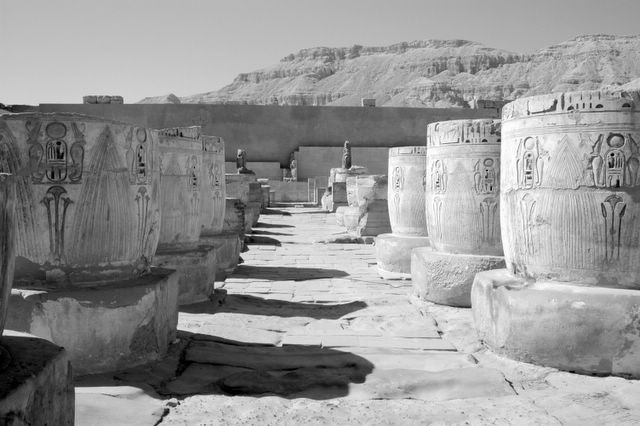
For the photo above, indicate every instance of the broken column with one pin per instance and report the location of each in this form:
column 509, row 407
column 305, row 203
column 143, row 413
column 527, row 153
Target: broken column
column 570, row 292
column 246, row 189
column 226, row 244
column 370, row 216
column 88, row 221
column 183, row 194
column 35, row 375
column 462, row 210
column 407, row 216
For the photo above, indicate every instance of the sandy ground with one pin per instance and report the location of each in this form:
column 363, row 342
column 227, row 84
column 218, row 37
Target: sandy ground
column 307, row 333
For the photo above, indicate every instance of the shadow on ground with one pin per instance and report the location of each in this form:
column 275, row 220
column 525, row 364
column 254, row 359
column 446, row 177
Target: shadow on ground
column 281, row 273
column 261, row 240
column 273, row 225
column 261, row 232
column 252, row 305
column 275, row 211
column 201, row 364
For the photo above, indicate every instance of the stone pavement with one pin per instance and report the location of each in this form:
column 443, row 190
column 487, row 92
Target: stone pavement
column 305, row 332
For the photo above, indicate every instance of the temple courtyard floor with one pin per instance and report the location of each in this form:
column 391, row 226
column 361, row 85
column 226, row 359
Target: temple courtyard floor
column 305, row 332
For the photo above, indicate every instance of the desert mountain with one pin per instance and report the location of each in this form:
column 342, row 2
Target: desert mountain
column 433, row 73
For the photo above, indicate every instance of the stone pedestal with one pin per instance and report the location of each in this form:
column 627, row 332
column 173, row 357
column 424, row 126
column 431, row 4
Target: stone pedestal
column 571, row 327
column 103, row 328
column 36, row 386
column 446, row 278
column 462, row 210
column 393, row 254
column 227, row 248
column 338, row 196
column 196, row 268
column 370, row 214
column 245, row 188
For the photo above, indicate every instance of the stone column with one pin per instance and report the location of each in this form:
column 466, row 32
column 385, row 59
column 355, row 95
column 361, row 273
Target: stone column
column 462, row 210
column 370, row 216
column 407, row 216
column 35, row 375
column 88, row 221
column 245, row 188
column 186, row 194
column 226, row 245
column 570, row 206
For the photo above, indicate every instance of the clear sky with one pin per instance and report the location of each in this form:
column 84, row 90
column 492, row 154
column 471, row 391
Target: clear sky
column 59, row 50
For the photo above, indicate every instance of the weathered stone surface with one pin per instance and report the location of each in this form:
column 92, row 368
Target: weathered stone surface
column 7, row 243
column 462, row 186
column 247, row 190
column 571, row 175
column 213, row 188
column 227, row 249
column 88, row 197
column 110, row 405
column 406, row 197
column 340, row 215
column 36, row 385
column 196, row 269
column 103, row 328
column 447, row 278
column 432, row 386
column 181, row 151
column 600, row 332
column 234, row 216
column 393, row 254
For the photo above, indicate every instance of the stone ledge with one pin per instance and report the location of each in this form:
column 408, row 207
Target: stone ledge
column 103, row 328
column 593, row 330
column 447, row 278
column 36, row 386
column 196, row 270
column 393, row 254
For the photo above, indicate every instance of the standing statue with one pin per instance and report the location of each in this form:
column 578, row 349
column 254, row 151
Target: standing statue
column 241, row 162
column 346, row 155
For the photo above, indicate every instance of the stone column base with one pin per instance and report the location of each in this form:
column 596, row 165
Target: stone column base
column 36, row 386
column 594, row 330
column 103, row 328
column 196, row 269
column 393, row 254
column 252, row 215
column 447, row 278
column 227, row 249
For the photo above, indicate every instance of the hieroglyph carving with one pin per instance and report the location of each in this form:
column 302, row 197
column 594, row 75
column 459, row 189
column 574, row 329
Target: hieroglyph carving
column 52, row 160
column 56, row 203
column 438, row 177
column 529, row 163
column 615, row 161
column 489, row 215
column 138, row 157
column 486, row 177
column 613, row 209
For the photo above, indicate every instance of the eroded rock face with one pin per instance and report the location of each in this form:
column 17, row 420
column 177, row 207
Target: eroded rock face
column 433, row 73
column 181, row 152
column 570, row 197
column 213, row 186
column 87, row 197
column 462, row 186
column 7, row 241
column 406, row 190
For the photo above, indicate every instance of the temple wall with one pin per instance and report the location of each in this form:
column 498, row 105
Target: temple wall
column 272, row 133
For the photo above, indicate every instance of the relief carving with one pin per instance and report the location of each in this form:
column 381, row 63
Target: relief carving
column 397, row 179
column 613, row 209
column 56, row 203
column 485, row 176
column 438, row 177
column 489, row 215
column 437, row 217
column 138, row 158
column 529, row 164
column 615, row 162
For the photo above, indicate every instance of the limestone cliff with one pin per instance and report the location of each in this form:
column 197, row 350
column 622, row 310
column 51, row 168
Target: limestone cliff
column 433, row 73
